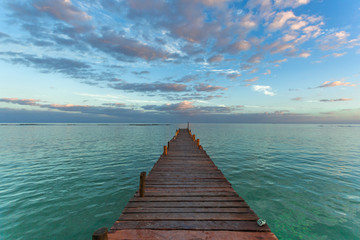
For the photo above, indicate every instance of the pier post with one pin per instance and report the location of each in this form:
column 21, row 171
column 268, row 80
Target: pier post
column 193, row 137
column 198, row 142
column 142, row 184
column 100, row 234
column 165, row 150
column 168, row 145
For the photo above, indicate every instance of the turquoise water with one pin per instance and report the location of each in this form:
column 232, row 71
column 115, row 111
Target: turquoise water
column 65, row 181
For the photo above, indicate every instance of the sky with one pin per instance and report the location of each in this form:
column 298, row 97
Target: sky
column 153, row 61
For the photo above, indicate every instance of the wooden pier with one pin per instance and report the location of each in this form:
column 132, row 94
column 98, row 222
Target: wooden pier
column 185, row 196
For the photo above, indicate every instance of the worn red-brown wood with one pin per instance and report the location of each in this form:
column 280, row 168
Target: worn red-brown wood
column 187, row 197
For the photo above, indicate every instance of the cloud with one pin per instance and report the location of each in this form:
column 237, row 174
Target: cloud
column 233, row 76
column 4, row 35
column 68, row 67
column 254, row 79
column 290, row 3
column 279, row 61
column 187, row 78
column 334, row 41
column 297, row 99
column 263, row 89
column 65, row 11
column 335, row 84
column 304, row 54
column 268, row 72
column 216, row 58
column 28, row 102
column 117, row 110
column 208, row 88
column 280, row 20
column 339, row 54
column 256, row 58
column 119, row 46
column 149, row 87
column 140, row 73
column 278, row 47
column 336, row 100
column 236, row 47
column 188, row 107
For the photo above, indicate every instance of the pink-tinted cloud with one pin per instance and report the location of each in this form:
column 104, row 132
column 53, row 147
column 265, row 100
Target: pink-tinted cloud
column 268, row 72
column 28, row 102
column 65, row 11
column 336, row 83
column 256, row 58
column 279, row 61
column 339, row 54
column 149, row 87
column 120, row 46
column 208, row 88
column 290, row 3
column 297, row 99
column 254, row 79
column 280, row 20
column 216, row 58
column 304, row 54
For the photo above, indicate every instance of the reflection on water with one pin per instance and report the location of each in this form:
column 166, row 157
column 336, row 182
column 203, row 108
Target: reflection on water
column 65, row 181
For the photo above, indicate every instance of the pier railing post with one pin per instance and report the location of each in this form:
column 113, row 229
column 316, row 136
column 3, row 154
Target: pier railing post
column 193, row 137
column 198, row 142
column 165, row 150
column 100, row 234
column 142, row 184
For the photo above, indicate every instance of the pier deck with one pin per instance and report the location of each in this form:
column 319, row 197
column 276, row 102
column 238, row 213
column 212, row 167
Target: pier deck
column 187, row 197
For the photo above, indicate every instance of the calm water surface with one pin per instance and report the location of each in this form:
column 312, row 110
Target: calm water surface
column 65, row 181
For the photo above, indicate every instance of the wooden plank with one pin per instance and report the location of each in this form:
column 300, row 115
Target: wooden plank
column 188, row 204
column 148, row 234
column 187, row 199
column 188, row 216
column 192, row 225
column 192, row 189
column 189, row 194
column 186, row 210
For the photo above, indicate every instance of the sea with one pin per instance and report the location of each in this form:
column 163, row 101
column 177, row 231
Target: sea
column 64, row 181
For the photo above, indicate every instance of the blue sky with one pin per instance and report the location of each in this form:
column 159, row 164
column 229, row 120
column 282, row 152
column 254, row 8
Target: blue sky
column 285, row 61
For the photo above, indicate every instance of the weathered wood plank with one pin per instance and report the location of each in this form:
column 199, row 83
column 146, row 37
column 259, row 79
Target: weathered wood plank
column 192, row 225
column 147, row 234
column 188, row 216
column 186, row 210
column 188, row 204
column 187, row 199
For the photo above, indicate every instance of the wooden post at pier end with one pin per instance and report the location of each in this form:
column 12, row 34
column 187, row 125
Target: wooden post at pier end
column 100, row 234
column 165, row 150
column 142, row 184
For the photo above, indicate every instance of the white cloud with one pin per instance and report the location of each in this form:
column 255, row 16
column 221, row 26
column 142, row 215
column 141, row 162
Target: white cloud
column 298, row 25
column 339, row 54
column 263, row 89
column 280, row 20
column 290, row 3
column 268, row 72
column 305, row 54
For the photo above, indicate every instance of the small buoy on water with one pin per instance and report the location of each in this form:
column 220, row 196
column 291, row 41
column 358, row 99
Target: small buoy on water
column 261, row 222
